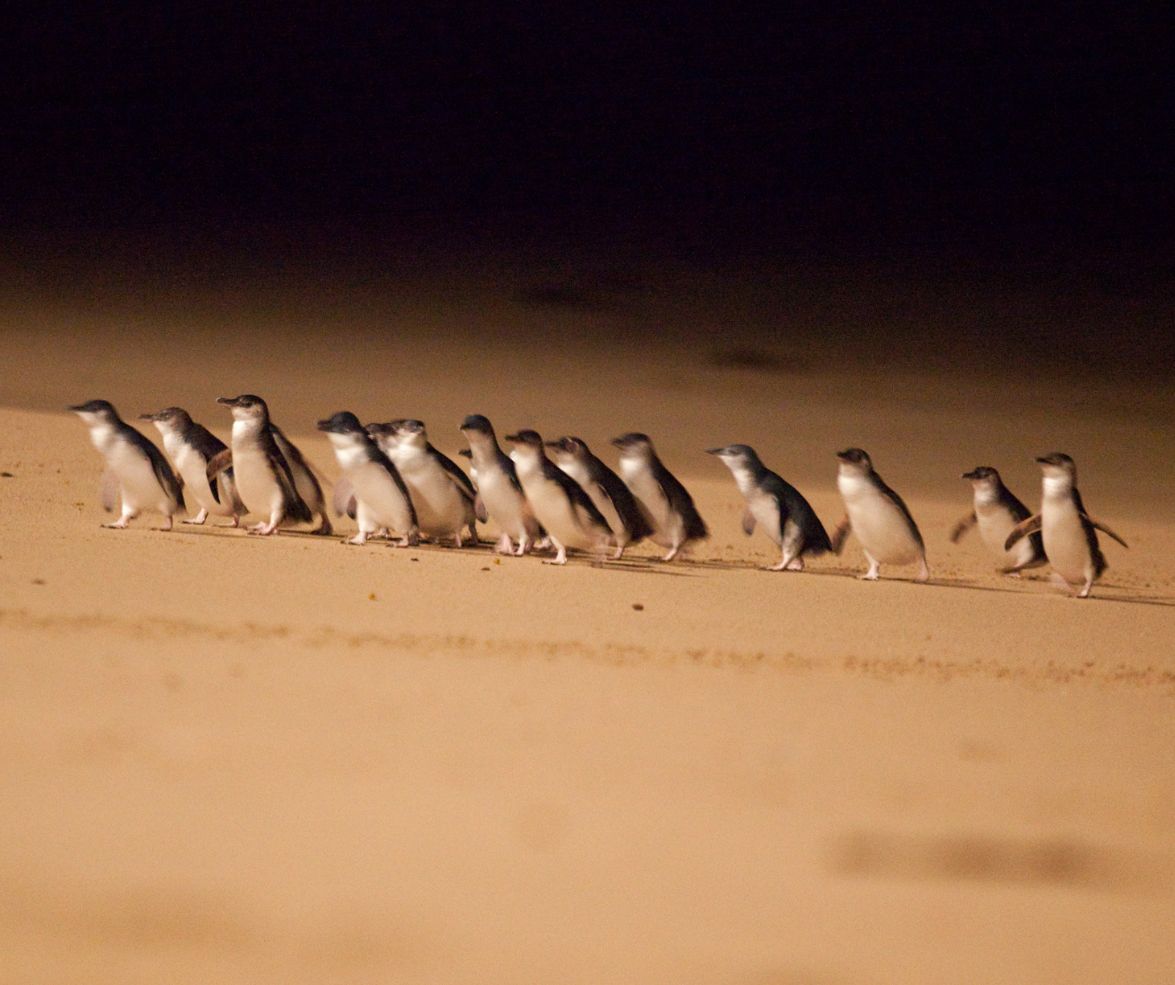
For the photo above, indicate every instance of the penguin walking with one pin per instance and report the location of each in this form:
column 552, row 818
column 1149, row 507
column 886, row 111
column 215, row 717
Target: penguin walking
column 445, row 500
column 136, row 472
column 606, row 489
column 381, row 497
column 996, row 512
column 191, row 447
column 668, row 509
column 785, row 516
column 498, row 488
column 560, row 505
column 877, row 515
column 263, row 477
column 1068, row 532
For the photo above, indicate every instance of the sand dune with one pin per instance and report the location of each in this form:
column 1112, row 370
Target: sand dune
column 240, row 760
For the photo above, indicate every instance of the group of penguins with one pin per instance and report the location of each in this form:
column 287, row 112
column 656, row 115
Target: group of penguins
column 555, row 495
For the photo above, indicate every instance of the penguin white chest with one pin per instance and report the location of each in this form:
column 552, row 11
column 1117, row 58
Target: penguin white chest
column 880, row 526
column 648, row 492
column 440, row 507
column 501, row 499
column 995, row 524
column 556, row 512
column 193, row 470
column 1064, row 539
column 765, row 510
column 136, row 477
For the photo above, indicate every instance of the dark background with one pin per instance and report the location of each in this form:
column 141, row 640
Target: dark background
column 1017, row 143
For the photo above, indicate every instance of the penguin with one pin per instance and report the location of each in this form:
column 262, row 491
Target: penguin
column 560, row 505
column 136, row 471
column 382, row 500
column 498, row 488
column 263, row 477
column 786, row 517
column 606, row 489
column 191, row 447
column 445, row 500
column 996, row 512
column 1068, row 532
column 668, row 508
column 877, row 515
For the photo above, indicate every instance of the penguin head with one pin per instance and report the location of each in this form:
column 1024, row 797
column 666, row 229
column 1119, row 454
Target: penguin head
column 735, row 456
column 411, row 433
column 854, row 461
column 344, row 422
column 983, row 477
column 634, row 445
column 95, row 412
column 246, row 407
column 168, row 419
column 1059, row 468
column 476, row 424
column 383, row 434
column 568, row 449
column 527, row 444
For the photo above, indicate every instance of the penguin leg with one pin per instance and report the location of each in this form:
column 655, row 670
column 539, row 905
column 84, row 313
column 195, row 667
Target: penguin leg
column 128, row 514
column 358, row 540
column 198, row 519
column 324, row 528
column 504, row 545
column 673, row 552
column 170, row 522
column 524, row 543
column 923, row 575
column 1087, row 587
column 270, row 528
column 560, row 557
column 619, row 552
column 236, row 522
column 874, row 571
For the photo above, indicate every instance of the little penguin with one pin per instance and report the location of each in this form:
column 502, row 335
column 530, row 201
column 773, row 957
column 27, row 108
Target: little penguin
column 1068, row 532
column 996, row 512
column 498, row 488
column 877, row 515
column 191, row 447
column 136, row 471
column 382, row 500
column 786, row 517
column 560, row 505
column 667, row 507
column 263, row 477
column 444, row 497
column 607, row 490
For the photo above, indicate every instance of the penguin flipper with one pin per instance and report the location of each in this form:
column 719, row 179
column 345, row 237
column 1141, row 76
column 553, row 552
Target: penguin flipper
column 749, row 522
column 963, row 526
column 1022, row 529
column 108, row 488
column 479, row 509
column 1098, row 525
column 343, row 498
column 228, row 484
column 218, row 463
column 840, row 535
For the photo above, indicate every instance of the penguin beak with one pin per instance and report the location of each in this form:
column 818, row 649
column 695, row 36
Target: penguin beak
column 512, row 438
column 148, row 417
column 715, row 451
column 227, row 401
column 323, row 425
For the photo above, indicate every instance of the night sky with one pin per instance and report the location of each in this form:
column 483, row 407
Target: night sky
column 822, row 130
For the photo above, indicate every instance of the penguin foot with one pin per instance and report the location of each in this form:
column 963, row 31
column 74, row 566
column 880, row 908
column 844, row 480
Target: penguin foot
column 117, row 525
column 504, row 545
column 358, row 540
column 198, row 519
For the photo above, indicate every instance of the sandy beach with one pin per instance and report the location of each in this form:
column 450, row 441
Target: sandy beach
column 232, row 759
